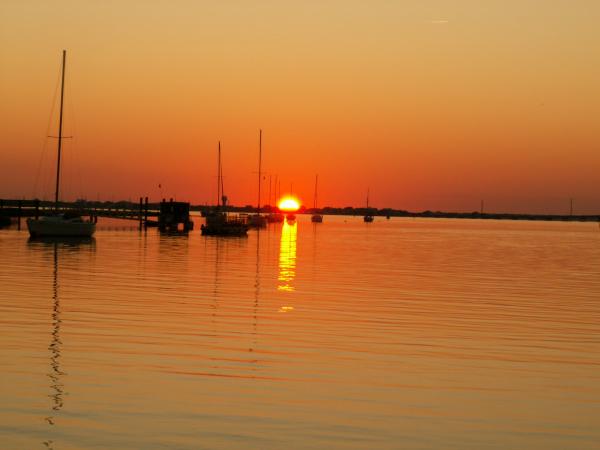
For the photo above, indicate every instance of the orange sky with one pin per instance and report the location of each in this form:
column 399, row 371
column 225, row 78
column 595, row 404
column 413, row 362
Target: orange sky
column 431, row 104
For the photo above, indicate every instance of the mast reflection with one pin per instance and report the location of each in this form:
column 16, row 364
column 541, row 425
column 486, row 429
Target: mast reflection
column 256, row 298
column 287, row 257
column 56, row 373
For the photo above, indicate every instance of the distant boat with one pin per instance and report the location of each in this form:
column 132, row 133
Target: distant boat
column 368, row 217
column 316, row 218
column 257, row 220
column 71, row 223
column 290, row 217
column 275, row 218
column 218, row 223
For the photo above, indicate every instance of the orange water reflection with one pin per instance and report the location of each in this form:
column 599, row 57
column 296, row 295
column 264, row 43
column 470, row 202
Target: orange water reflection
column 287, row 257
column 484, row 331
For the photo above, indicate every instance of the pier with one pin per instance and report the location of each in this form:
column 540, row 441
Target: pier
column 145, row 213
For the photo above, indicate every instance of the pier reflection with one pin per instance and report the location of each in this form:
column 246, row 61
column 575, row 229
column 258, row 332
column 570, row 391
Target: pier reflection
column 287, row 257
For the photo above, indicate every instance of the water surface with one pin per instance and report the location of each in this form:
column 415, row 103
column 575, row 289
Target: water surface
column 407, row 334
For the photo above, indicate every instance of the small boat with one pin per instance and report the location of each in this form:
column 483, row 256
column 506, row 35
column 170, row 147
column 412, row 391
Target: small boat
column 258, row 220
column 275, row 218
column 218, row 222
column 316, row 218
column 290, row 217
column 70, row 223
column 368, row 218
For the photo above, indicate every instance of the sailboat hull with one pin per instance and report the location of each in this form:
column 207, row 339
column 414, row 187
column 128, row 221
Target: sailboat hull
column 59, row 226
column 257, row 221
column 219, row 224
column 275, row 218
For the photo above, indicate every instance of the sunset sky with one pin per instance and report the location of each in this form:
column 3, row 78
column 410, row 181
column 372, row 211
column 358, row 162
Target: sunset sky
column 430, row 104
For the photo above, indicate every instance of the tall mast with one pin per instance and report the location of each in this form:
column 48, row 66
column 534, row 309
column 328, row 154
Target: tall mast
column 60, row 123
column 219, row 177
column 367, row 199
column 270, row 180
column 315, row 197
column 223, row 197
column 259, row 165
column 279, row 189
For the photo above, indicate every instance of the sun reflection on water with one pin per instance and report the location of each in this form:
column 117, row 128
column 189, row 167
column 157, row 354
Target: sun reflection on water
column 287, row 257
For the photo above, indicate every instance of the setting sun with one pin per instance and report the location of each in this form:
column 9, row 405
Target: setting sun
column 289, row 204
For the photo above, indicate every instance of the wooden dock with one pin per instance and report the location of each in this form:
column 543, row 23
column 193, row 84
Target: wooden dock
column 145, row 213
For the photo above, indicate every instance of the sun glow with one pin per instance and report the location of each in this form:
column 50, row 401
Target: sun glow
column 289, row 204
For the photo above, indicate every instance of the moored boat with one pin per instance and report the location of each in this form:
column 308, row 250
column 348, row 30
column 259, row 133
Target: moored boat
column 368, row 218
column 258, row 220
column 70, row 223
column 60, row 225
column 275, row 218
column 218, row 222
column 316, row 218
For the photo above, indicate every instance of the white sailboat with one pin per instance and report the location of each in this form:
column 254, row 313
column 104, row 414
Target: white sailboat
column 68, row 224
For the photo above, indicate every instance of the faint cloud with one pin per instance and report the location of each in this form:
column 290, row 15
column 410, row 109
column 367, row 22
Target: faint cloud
column 438, row 21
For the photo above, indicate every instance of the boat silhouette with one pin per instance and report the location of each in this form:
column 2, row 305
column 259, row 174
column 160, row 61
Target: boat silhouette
column 70, row 223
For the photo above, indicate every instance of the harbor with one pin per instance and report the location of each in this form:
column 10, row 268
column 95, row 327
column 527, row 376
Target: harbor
column 12, row 212
column 266, row 225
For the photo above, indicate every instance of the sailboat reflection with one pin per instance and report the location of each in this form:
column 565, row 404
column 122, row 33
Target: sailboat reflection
column 256, row 297
column 56, row 374
column 287, row 256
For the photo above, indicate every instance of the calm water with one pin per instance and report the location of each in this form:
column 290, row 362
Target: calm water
column 401, row 334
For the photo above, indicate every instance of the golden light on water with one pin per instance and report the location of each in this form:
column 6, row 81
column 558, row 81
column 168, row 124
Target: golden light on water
column 287, row 257
column 289, row 204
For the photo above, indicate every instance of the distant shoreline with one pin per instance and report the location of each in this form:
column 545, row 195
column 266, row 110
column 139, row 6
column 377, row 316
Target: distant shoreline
column 8, row 207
